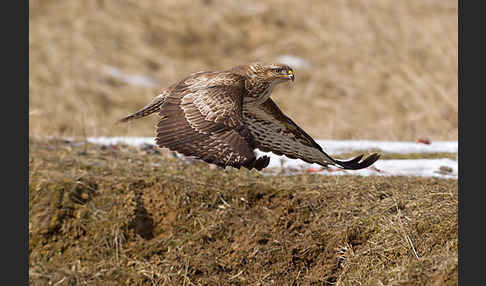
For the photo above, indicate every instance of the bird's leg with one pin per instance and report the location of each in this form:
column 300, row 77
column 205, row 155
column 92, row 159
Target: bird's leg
column 258, row 164
column 261, row 163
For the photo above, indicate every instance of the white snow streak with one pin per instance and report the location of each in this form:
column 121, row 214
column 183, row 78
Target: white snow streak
column 442, row 167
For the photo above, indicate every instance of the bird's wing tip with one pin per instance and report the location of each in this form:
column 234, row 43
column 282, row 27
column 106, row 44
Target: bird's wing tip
column 355, row 164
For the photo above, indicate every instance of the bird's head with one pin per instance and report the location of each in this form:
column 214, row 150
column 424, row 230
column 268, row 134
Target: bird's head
column 261, row 78
column 272, row 73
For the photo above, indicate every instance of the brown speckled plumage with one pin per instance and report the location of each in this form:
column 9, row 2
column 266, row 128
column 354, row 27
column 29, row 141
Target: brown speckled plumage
column 222, row 116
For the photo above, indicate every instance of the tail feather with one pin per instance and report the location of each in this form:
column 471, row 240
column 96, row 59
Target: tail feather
column 150, row 108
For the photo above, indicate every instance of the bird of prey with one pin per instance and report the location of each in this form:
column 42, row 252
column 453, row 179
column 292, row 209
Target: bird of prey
column 221, row 117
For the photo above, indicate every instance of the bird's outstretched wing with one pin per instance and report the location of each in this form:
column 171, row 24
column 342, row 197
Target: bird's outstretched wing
column 202, row 117
column 274, row 132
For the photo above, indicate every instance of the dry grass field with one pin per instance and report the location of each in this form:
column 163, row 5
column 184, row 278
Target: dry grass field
column 119, row 215
column 379, row 69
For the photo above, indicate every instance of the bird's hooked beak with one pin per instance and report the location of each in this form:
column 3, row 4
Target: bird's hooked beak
column 291, row 75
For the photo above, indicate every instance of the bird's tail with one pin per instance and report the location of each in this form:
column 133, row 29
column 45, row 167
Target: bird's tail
column 150, row 108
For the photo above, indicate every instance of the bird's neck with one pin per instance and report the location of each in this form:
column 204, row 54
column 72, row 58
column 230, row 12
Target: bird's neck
column 258, row 91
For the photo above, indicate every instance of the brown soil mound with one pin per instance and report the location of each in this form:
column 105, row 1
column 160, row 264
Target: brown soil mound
column 118, row 215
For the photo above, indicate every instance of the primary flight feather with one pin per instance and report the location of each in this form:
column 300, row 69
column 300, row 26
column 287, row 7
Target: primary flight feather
column 221, row 117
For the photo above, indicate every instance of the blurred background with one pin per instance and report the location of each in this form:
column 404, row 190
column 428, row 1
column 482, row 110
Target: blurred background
column 381, row 70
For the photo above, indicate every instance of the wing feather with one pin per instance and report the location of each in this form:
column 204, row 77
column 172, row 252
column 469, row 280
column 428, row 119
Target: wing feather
column 202, row 117
column 275, row 132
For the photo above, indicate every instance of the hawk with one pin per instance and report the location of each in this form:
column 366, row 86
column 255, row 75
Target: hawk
column 221, row 117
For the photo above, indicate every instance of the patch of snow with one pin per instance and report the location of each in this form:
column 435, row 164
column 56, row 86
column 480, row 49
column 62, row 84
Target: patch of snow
column 441, row 167
column 329, row 146
column 132, row 79
column 294, row 62
column 132, row 141
column 343, row 146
